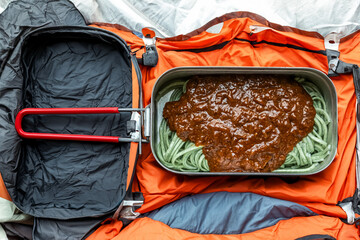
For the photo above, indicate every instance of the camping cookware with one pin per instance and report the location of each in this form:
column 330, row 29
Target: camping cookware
column 149, row 118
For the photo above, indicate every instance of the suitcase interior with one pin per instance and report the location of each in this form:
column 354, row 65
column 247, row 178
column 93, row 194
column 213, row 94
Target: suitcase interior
column 74, row 67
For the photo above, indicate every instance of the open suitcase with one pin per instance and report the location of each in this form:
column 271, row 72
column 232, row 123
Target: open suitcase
column 72, row 67
column 76, row 67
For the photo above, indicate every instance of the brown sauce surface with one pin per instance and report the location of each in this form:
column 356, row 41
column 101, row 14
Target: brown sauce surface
column 245, row 122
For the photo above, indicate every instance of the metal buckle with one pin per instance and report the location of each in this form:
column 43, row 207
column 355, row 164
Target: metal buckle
column 332, row 41
column 126, row 210
column 150, row 56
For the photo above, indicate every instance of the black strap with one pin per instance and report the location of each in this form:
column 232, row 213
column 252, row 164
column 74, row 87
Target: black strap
column 356, row 76
column 336, row 67
column 355, row 200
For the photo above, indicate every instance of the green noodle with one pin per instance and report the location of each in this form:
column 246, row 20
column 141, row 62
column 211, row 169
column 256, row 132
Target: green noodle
column 176, row 154
column 183, row 156
column 314, row 145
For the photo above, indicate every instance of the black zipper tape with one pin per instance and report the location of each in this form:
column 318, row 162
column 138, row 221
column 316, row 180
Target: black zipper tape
column 223, row 44
column 206, row 49
column 322, row 52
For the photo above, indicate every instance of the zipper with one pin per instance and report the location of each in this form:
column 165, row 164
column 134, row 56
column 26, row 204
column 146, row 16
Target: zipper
column 253, row 30
column 322, row 52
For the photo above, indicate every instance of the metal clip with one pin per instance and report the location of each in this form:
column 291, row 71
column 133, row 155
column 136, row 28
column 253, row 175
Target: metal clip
column 147, row 122
column 126, row 210
column 332, row 41
column 149, row 37
column 150, row 56
column 348, row 209
column 136, row 133
column 333, row 63
column 357, row 146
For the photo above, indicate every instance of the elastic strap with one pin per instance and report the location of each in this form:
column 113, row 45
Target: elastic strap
column 336, row 67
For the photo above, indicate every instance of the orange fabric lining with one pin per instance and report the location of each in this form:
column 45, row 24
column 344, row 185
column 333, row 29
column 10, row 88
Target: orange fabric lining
column 146, row 228
column 320, row 192
column 132, row 158
column 108, row 230
column 3, row 191
column 133, row 145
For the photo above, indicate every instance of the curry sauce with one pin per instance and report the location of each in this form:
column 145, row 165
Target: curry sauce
column 244, row 122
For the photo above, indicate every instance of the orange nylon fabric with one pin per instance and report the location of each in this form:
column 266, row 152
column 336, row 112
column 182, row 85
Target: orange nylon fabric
column 3, row 191
column 320, row 192
column 146, row 228
column 108, row 230
column 133, row 145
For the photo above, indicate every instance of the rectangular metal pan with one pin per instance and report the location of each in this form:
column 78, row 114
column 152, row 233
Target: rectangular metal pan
column 161, row 93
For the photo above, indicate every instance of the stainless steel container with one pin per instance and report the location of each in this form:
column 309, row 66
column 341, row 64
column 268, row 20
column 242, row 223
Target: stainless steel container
column 162, row 91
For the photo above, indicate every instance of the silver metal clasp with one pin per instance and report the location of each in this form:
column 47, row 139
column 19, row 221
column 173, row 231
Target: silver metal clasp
column 147, row 122
column 134, row 126
column 127, row 209
column 332, row 41
column 150, row 56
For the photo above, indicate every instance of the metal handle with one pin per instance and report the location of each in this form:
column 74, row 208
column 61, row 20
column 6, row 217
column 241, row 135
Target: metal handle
column 58, row 136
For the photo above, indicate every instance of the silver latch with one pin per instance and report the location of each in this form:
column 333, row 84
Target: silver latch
column 332, row 41
column 348, row 209
column 150, row 56
column 126, row 209
column 147, row 122
column 134, row 126
column 135, row 133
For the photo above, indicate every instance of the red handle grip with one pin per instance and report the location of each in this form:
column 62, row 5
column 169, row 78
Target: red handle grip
column 58, row 136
